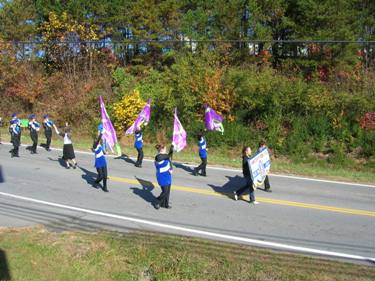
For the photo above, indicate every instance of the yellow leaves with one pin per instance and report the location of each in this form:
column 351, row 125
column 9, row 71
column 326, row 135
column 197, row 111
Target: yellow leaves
column 126, row 110
column 57, row 27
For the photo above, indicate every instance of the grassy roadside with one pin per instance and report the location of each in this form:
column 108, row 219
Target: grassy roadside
column 36, row 254
column 231, row 158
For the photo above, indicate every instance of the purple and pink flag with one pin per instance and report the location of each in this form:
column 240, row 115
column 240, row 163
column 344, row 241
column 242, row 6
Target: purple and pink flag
column 109, row 133
column 179, row 134
column 142, row 118
column 213, row 121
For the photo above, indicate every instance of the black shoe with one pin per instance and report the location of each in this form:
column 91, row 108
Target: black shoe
column 169, row 207
column 203, row 175
column 105, row 189
column 67, row 167
column 268, row 190
column 33, row 152
column 48, row 149
column 75, row 166
column 195, row 172
column 157, row 206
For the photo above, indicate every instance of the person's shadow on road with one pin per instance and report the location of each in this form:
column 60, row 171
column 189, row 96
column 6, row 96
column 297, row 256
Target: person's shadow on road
column 60, row 160
column 146, row 191
column 227, row 189
column 89, row 177
column 126, row 158
column 183, row 167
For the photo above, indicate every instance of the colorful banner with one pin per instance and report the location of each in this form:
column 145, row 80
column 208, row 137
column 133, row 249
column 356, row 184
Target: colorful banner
column 142, row 118
column 213, row 121
column 179, row 134
column 260, row 165
column 109, row 133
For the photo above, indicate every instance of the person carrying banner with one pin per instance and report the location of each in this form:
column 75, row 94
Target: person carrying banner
column 267, row 186
column 164, row 175
column 48, row 125
column 138, row 144
column 246, row 155
column 100, row 163
column 68, row 150
column 202, row 143
column 34, row 128
column 15, row 134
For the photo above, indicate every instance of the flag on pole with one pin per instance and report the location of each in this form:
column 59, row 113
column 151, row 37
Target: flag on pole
column 109, row 133
column 142, row 118
column 213, row 121
column 179, row 134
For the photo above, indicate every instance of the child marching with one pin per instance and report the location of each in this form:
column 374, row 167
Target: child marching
column 34, row 128
column 202, row 143
column 138, row 145
column 48, row 125
column 246, row 155
column 68, row 150
column 164, row 175
column 100, row 163
column 15, row 133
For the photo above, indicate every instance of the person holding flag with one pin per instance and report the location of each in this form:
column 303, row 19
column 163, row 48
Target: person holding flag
column 142, row 120
column 163, row 175
column 107, row 130
column 100, row 163
column 34, row 128
column 138, row 144
column 202, row 143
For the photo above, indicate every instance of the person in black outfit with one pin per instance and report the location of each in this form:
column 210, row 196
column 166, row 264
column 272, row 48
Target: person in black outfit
column 34, row 128
column 267, row 186
column 15, row 133
column 246, row 155
column 48, row 125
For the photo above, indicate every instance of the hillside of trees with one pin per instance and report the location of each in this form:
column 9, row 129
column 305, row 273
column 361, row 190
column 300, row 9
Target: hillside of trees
column 298, row 73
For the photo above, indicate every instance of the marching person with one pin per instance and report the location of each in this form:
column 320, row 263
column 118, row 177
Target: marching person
column 164, row 175
column 246, row 155
column 202, row 143
column 15, row 133
column 68, row 150
column 48, row 125
column 138, row 144
column 100, row 163
column 34, row 128
column 267, row 186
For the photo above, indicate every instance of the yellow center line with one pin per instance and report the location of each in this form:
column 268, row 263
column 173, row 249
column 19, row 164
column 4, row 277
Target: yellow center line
column 260, row 199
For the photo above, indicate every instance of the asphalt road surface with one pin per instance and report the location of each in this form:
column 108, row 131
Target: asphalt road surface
column 335, row 220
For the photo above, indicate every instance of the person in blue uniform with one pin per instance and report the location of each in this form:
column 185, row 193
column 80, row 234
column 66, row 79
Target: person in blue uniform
column 48, row 125
column 202, row 143
column 249, row 185
column 100, row 163
column 138, row 144
column 267, row 185
column 163, row 175
column 34, row 128
column 15, row 134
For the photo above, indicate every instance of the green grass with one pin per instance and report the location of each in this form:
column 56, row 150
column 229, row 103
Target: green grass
column 36, row 254
column 312, row 167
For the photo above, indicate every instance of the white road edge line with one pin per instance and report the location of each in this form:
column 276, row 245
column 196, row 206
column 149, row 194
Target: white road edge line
column 231, row 170
column 195, row 231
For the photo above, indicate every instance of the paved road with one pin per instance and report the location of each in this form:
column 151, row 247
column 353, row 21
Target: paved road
column 315, row 217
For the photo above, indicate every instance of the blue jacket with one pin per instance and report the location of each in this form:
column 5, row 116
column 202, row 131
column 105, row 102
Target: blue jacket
column 202, row 148
column 163, row 167
column 100, row 161
column 138, row 142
